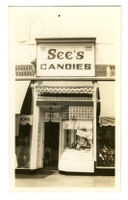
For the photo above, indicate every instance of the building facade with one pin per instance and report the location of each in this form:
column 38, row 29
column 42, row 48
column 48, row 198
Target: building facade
column 65, row 88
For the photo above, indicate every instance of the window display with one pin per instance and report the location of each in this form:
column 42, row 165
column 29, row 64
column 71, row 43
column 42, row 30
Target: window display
column 23, row 144
column 78, row 148
column 106, row 146
column 73, row 139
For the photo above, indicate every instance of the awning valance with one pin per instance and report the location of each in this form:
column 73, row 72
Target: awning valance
column 107, row 121
column 20, row 92
column 107, row 101
column 63, row 90
column 78, row 124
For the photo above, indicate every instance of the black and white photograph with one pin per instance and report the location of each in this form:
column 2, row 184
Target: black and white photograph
column 65, row 79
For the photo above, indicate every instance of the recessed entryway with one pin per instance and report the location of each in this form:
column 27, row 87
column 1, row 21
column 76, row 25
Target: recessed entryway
column 51, row 145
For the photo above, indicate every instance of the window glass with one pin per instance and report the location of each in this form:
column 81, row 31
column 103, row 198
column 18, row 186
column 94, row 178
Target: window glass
column 23, row 146
column 106, row 146
column 73, row 139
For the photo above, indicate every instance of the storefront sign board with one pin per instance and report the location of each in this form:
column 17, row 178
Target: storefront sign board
column 65, row 59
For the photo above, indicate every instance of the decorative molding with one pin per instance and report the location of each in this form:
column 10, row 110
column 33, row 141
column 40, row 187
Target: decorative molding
column 65, row 40
column 28, row 72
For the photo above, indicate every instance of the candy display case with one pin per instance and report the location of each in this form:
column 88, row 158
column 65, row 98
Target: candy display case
column 78, row 146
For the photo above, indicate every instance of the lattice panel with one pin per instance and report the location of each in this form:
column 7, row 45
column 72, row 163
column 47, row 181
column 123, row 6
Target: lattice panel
column 104, row 70
column 77, row 112
column 24, row 70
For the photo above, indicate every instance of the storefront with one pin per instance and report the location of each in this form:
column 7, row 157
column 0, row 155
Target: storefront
column 65, row 116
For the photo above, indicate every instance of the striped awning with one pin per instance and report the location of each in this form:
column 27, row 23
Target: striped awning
column 64, row 90
column 107, row 121
column 21, row 88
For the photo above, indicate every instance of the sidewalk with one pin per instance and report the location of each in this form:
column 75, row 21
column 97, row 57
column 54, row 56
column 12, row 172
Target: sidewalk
column 53, row 179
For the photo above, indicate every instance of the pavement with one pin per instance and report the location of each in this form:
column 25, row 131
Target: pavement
column 53, row 179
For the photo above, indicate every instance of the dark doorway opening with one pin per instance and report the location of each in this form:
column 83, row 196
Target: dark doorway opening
column 51, row 145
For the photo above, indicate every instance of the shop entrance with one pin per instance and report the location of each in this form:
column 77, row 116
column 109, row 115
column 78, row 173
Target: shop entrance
column 51, row 145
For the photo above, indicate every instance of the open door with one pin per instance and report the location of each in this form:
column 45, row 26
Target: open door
column 51, row 145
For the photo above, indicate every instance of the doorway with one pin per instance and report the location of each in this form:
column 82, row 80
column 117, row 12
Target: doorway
column 51, row 145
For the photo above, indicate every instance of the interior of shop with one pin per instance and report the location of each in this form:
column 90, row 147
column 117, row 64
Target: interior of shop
column 51, row 145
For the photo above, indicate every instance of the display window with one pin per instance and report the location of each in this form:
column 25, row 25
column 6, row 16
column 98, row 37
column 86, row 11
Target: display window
column 23, row 146
column 78, row 140
column 23, row 130
column 73, row 139
column 106, row 146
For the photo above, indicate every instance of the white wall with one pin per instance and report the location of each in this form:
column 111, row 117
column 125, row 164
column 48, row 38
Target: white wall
column 100, row 22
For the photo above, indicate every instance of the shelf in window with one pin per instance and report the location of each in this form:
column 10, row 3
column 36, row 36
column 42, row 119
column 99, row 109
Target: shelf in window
column 105, row 167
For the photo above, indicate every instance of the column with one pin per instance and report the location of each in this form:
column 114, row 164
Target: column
column 34, row 142
column 40, row 150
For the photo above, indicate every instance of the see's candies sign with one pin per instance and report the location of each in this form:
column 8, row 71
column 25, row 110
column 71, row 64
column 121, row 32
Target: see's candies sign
column 65, row 59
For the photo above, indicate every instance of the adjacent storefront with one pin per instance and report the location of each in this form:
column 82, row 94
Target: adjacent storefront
column 65, row 117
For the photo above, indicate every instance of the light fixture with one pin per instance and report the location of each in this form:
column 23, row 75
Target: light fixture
column 50, row 117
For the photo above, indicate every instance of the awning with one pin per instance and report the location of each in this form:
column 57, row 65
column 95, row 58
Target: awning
column 20, row 92
column 107, row 121
column 107, row 101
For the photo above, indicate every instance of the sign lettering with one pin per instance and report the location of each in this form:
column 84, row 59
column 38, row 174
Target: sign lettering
column 65, row 59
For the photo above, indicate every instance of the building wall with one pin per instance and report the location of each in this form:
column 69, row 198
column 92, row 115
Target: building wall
column 31, row 23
